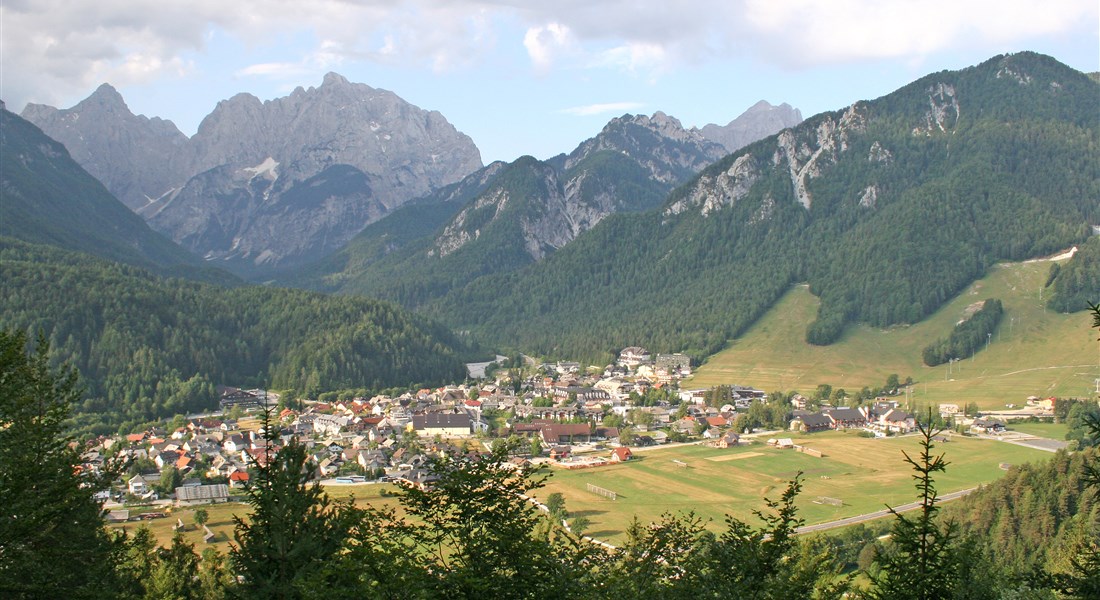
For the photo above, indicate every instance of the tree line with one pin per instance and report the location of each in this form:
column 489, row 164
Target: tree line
column 968, row 337
column 148, row 348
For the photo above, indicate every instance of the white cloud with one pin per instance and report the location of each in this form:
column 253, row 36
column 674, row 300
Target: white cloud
column 544, row 42
column 808, row 32
column 599, row 109
column 55, row 48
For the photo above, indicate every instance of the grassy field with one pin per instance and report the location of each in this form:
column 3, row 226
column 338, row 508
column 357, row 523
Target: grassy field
column 1055, row 431
column 1034, row 352
column 864, row 473
column 220, row 516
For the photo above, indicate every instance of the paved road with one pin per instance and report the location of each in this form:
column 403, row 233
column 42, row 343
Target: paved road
column 877, row 514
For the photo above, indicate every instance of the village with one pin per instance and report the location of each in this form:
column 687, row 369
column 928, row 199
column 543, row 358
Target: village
column 561, row 417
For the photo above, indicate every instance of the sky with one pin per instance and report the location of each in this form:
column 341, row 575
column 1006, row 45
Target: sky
column 521, row 76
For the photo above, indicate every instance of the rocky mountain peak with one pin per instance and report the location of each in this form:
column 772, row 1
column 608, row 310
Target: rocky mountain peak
column 105, row 96
column 333, row 79
column 130, row 154
column 759, row 121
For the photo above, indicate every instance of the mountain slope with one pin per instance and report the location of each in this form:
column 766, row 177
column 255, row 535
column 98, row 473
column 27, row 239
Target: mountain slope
column 49, row 199
column 1033, row 351
column 133, row 156
column 887, row 209
column 521, row 212
column 149, row 347
column 264, row 186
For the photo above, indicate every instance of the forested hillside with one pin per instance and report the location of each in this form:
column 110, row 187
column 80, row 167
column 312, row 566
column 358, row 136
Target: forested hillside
column 1076, row 283
column 49, row 199
column 508, row 216
column 149, row 347
column 1035, row 518
column 887, row 208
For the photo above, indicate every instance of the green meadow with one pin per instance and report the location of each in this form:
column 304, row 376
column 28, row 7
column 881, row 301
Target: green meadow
column 864, row 473
column 220, row 516
column 1034, row 351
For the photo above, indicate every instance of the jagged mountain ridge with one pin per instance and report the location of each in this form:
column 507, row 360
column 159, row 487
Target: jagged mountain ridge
column 524, row 212
column 203, row 194
column 759, row 121
column 133, row 156
column 47, row 198
column 887, row 208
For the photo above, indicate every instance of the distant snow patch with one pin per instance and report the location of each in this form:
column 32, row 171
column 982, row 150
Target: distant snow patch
column 264, row 169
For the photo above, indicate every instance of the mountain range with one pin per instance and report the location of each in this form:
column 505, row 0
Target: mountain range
column 648, row 233
column 263, row 185
column 887, row 208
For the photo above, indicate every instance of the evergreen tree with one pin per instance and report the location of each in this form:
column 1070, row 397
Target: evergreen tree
column 293, row 530
column 52, row 540
column 920, row 563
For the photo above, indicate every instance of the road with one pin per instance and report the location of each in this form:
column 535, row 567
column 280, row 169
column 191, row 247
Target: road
column 878, row 514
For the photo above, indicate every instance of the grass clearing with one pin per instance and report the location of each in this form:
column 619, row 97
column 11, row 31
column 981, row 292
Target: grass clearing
column 220, row 516
column 865, row 473
column 1054, row 431
column 1034, row 351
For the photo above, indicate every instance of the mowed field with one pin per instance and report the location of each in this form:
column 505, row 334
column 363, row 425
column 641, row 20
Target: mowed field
column 220, row 516
column 1034, row 352
column 864, row 473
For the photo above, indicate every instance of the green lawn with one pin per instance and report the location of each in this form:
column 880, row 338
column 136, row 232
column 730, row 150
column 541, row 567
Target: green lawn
column 1054, row 431
column 1034, row 352
column 221, row 516
column 864, row 473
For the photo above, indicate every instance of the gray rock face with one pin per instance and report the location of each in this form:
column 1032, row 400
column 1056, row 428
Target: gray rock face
column 405, row 151
column 629, row 166
column 756, row 123
column 131, row 155
column 257, row 217
column 263, row 185
column 660, row 144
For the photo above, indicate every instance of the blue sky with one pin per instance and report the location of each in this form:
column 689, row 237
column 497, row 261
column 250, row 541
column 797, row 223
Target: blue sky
column 521, row 77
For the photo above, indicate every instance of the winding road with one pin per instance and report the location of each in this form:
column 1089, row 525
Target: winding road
column 878, row 514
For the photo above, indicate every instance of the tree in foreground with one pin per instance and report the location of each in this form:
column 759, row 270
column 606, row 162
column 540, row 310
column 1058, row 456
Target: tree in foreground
column 1083, row 577
column 481, row 535
column 293, row 530
column 678, row 558
column 919, row 563
column 52, row 540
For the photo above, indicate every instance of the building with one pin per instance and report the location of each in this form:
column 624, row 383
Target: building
column 191, row 495
column 231, row 397
column 445, row 424
column 621, row 454
column 137, row 485
column 634, row 356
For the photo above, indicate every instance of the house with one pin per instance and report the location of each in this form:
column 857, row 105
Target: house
column 202, row 494
column 566, row 433
column 987, row 425
column 621, row 454
column 846, row 418
column 137, row 485
column 560, row 452
column 633, row 356
column 949, row 410
column 810, row 422
column 444, row 424
column 674, row 363
column 235, row 443
column 238, row 479
column 730, row 440
column 897, row 421
column 231, row 397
